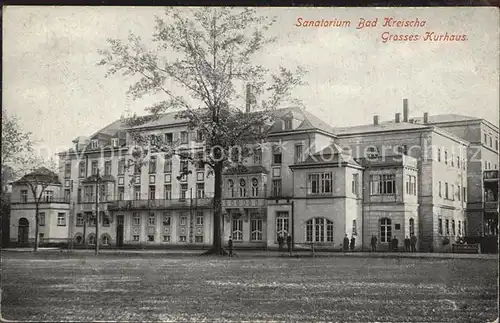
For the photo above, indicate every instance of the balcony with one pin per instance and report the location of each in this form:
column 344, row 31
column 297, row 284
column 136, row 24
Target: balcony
column 129, row 205
column 59, row 200
column 490, row 175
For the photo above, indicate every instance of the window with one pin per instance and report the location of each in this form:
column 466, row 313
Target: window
column 354, row 184
column 402, row 150
column 81, row 169
column 183, row 220
column 92, row 220
column 298, row 156
column 496, row 144
column 184, row 188
column 105, row 240
column 412, row 226
column 183, row 165
column 24, row 196
column 152, row 192
column 61, row 219
column 287, row 124
column 459, row 227
column 168, row 191
column 439, row 189
column 121, row 167
column 257, row 156
column 445, row 157
column 67, row 170
column 230, row 188
column 121, row 193
column 276, row 155
column 79, row 195
column 200, row 190
column 446, row 195
column 94, row 143
column 47, row 196
column 137, row 168
column 243, row 188
column 319, row 230
column 137, row 192
column 491, row 143
column 199, row 219
column 256, row 230
column 166, row 238
column 184, row 137
column 447, row 227
column 167, row 167
column 152, row 165
column 200, row 161
column 106, row 221
column 255, row 187
column 372, row 152
column 439, row 155
column 411, row 185
column 276, row 188
column 451, row 159
column 94, row 167
column 166, row 219
column 182, row 239
column 237, row 229
column 114, row 142
column 199, row 135
column 385, row 230
column 136, row 218
column 80, row 220
column 198, row 239
column 383, row 184
column 103, row 191
column 91, row 239
column 41, row 219
column 320, row 183
column 440, row 226
column 464, row 228
column 41, row 235
column 169, row 138
column 453, row 230
column 151, row 219
column 452, row 195
column 281, row 224
column 458, row 192
column 135, row 237
column 458, row 161
column 485, row 139
column 107, row 167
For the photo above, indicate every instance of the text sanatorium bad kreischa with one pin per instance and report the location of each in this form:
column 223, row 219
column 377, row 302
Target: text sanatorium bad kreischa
column 394, row 35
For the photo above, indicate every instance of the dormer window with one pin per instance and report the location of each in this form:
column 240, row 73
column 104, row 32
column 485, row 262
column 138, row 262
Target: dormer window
column 287, row 124
column 94, row 143
column 114, row 142
column 76, row 146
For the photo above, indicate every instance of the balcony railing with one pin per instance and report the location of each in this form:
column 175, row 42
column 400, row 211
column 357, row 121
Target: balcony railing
column 181, row 203
column 60, row 200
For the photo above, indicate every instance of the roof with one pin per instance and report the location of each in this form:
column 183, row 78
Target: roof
column 40, row 175
column 381, row 127
column 111, row 129
column 256, row 169
column 446, row 118
column 309, row 120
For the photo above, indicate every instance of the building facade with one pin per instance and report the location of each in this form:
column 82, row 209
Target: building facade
column 309, row 180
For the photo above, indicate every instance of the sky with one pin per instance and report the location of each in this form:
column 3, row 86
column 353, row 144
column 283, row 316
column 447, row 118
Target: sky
column 52, row 83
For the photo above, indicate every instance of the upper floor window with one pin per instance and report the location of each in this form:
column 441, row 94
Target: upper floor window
column 107, row 167
column 355, row 183
column 152, row 165
column 320, row 183
column 298, row 153
column 169, row 138
column 81, row 169
column 411, row 185
column 452, row 162
column 184, row 137
column 47, row 195
column 491, row 142
column 277, row 155
column 446, row 157
column 287, row 124
column 94, row 167
column 151, row 219
column 458, row 161
column 94, row 143
column 243, row 188
column 24, row 196
column 439, row 155
column 114, row 142
column 402, row 150
column 485, row 139
column 67, row 170
column 383, row 184
column 121, row 167
column 255, row 187
column 230, row 187
column 496, row 144
column 199, row 135
column 257, row 156
column 372, row 152
column 446, row 193
column 167, row 166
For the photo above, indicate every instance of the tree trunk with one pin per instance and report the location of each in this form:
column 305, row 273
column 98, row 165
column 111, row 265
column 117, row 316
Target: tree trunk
column 37, row 219
column 217, row 246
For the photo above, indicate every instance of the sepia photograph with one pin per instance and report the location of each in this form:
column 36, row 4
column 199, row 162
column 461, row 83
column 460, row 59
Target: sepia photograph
column 250, row 164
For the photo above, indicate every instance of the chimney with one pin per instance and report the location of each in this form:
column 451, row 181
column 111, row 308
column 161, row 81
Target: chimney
column 375, row 120
column 398, row 117
column 426, row 117
column 248, row 98
column 405, row 110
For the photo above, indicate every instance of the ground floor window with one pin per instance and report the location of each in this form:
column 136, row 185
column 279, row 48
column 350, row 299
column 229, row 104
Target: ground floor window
column 412, row 226
column 105, row 240
column 385, row 230
column 256, row 230
column 182, row 238
column 135, row 237
column 91, row 239
column 151, row 238
column 237, row 229
column 281, row 224
column 319, row 230
column 198, row 239
column 78, row 239
column 166, row 238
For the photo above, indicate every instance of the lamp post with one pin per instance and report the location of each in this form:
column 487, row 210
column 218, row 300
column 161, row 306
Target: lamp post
column 97, row 180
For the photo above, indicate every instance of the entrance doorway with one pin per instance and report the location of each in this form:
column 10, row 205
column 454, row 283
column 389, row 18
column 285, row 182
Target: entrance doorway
column 23, row 231
column 119, row 230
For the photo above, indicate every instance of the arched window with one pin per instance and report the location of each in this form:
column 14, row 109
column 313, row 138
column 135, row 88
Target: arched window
column 255, row 187
column 91, row 239
column 105, row 239
column 78, row 238
column 385, row 230
column 319, row 230
column 412, row 226
column 243, row 188
column 237, row 224
column 354, row 228
column 230, row 187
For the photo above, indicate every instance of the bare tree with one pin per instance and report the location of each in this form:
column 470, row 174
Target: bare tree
column 208, row 53
column 38, row 175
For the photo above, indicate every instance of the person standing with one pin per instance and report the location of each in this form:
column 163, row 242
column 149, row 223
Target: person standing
column 345, row 245
column 373, row 243
column 289, row 243
column 407, row 244
column 395, row 243
column 413, row 243
column 280, row 242
column 353, row 243
column 230, row 246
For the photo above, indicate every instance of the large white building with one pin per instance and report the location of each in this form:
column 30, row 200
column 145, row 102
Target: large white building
column 317, row 183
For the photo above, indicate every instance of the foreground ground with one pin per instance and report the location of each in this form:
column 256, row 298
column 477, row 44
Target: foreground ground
column 142, row 287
